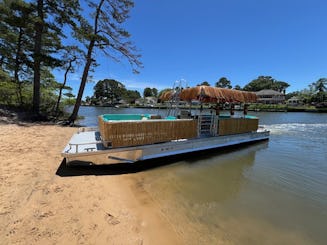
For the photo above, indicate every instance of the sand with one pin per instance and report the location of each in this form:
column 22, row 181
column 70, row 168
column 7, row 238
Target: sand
column 44, row 202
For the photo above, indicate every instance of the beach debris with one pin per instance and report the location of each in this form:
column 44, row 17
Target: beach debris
column 111, row 219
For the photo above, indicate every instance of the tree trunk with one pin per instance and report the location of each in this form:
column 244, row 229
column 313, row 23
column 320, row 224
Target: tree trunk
column 74, row 114
column 62, row 87
column 37, row 59
column 78, row 102
column 17, row 68
column 2, row 60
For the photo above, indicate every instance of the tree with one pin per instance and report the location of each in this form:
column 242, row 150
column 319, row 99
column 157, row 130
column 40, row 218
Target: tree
column 108, row 91
column 154, row 92
column 147, row 92
column 150, row 92
column 280, row 86
column 131, row 96
column 4, row 76
column 30, row 37
column 111, row 91
column 292, row 94
column 7, row 91
column 266, row 82
column 237, row 87
column 223, row 83
column 70, row 56
column 321, row 85
column 319, row 88
column 15, row 40
column 50, row 18
column 204, row 83
column 107, row 34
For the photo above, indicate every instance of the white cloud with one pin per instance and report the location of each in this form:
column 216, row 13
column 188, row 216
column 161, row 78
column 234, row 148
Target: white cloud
column 131, row 84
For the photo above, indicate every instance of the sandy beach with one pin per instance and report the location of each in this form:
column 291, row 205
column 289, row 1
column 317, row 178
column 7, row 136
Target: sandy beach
column 44, row 202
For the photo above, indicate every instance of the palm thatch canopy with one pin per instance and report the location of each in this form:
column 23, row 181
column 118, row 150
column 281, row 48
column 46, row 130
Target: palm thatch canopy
column 216, row 95
column 167, row 95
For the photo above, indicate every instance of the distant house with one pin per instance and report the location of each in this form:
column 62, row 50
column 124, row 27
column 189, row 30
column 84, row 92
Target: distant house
column 269, row 96
column 148, row 101
column 294, row 101
column 139, row 101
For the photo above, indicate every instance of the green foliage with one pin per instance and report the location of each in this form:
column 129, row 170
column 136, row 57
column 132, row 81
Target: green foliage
column 204, row 83
column 147, row 92
column 321, row 85
column 130, row 96
column 223, row 83
column 268, row 107
column 68, row 102
column 108, row 91
column 154, row 92
column 237, row 87
column 7, row 93
column 317, row 92
column 4, row 76
column 266, row 82
column 320, row 90
column 51, row 17
column 30, row 36
column 105, row 32
column 282, row 108
column 150, row 92
column 290, row 95
column 16, row 42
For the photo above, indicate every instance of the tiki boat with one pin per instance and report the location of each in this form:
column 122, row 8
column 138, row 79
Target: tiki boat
column 130, row 138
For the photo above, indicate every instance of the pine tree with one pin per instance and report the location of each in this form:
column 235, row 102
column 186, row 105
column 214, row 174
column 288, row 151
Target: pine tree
column 51, row 16
column 106, row 34
column 15, row 38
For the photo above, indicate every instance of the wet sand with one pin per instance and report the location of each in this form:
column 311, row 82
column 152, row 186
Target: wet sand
column 44, row 202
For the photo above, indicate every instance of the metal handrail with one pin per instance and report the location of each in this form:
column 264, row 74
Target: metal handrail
column 88, row 143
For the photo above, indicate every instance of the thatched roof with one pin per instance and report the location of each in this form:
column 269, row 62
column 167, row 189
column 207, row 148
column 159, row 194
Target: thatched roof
column 167, row 95
column 211, row 94
column 214, row 94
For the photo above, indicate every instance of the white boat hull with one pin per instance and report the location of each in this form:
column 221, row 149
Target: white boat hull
column 86, row 148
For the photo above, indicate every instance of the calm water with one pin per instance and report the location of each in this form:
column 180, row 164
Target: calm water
column 268, row 193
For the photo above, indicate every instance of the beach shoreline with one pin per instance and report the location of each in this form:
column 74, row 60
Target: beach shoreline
column 40, row 205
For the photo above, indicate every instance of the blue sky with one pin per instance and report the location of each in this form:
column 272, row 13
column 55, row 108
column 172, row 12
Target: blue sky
column 208, row 39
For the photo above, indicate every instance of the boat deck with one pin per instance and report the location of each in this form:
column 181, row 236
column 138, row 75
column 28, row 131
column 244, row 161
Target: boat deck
column 88, row 147
column 84, row 142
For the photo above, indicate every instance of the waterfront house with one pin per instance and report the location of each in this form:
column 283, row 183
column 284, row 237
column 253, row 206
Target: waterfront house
column 295, row 101
column 269, row 96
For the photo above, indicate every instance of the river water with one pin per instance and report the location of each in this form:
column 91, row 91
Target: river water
column 273, row 192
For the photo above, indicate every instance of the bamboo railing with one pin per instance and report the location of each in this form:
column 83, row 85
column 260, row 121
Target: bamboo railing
column 133, row 133
column 229, row 126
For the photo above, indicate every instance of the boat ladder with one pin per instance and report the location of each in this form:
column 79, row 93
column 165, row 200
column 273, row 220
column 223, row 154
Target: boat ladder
column 207, row 125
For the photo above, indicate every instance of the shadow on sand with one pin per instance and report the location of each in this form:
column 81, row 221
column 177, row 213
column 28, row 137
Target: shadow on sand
column 114, row 169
